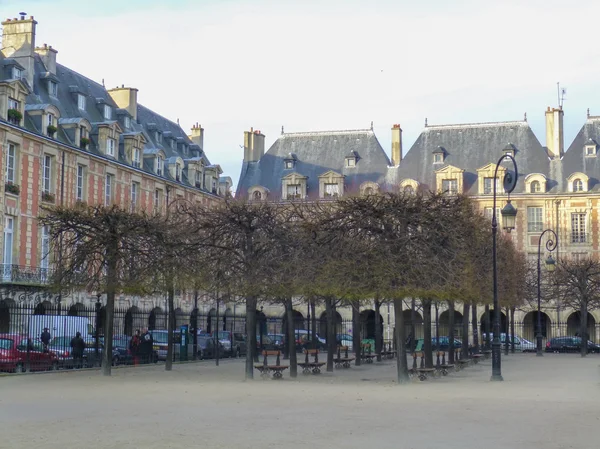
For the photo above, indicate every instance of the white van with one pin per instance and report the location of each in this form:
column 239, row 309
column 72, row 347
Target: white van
column 59, row 326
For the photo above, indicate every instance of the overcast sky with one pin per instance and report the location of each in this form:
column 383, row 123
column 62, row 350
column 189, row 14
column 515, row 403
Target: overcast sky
column 331, row 64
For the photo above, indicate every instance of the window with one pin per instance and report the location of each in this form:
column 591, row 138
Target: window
column 13, row 104
column 535, row 187
column 590, row 150
column 127, row 122
column 110, row 147
column 82, row 132
column 177, row 172
column 438, row 158
column 17, row 73
column 135, row 157
column 214, row 186
column 289, row 165
column 9, row 223
column 108, row 190
column 450, row 186
column 369, row 191
column 135, row 188
column 81, row 102
column 156, row 200
column 47, row 174
column 80, row 182
column 293, row 191
column 45, row 248
column 332, row 190
column 53, row 88
column 488, row 186
column 535, row 219
column 577, row 185
column 350, row 162
column 107, row 112
column 488, row 212
column 257, row 195
column 198, row 179
column 409, row 190
column 158, row 137
column 158, row 165
column 10, row 164
column 173, row 146
column 578, row 227
column 51, row 120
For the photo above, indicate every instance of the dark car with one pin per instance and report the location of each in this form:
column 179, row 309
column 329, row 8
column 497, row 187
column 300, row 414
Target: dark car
column 206, row 348
column 569, row 344
column 16, row 351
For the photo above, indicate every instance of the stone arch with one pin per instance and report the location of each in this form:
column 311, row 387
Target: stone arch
column 407, row 314
column 367, row 324
column 574, row 325
column 444, row 323
column 156, row 319
column 530, row 326
column 369, row 188
column 502, row 322
column 43, row 308
column 180, row 318
column 578, row 182
column 133, row 320
column 409, row 186
column 535, row 183
column 210, row 320
column 75, row 309
column 322, row 324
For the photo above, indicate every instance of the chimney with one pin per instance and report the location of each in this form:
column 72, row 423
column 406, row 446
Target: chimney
column 197, row 135
column 126, row 98
column 48, row 55
column 254, row 145
column 396, row 145
column 18, row 42
column 554, row 132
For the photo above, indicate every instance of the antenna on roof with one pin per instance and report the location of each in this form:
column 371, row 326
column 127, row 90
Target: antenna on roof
column 425, row 122
column 178, row 120
column 281, row 129
column 562, row 91
column 525, row 117
column 103, row 83
column 371, row 125
column 588, row 112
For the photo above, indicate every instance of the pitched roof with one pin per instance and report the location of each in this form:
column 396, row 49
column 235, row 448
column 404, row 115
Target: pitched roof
column 575, row 159
column 317, row 153
column 470, row 147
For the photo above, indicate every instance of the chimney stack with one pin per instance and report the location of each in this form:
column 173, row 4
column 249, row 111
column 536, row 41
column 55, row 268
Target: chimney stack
column 197, row 135
column 126, row 98
column 555, row 141
column 254, row 145
column 396, row 145
column 18, row 42
column 48, row 55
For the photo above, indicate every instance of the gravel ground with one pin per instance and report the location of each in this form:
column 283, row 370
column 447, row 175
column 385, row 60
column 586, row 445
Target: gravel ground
column 549, row 402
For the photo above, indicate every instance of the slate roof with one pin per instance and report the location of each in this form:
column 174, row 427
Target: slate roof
column 470, row 147
column 70, row 83
column 317, row 153
column 575, row 159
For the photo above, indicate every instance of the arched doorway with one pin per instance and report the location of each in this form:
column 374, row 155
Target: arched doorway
column 530, row 326
column 574, row 325
column 407, row 314
column 156, row 319
column 100, row 320
column 210, row 320
column 367, row 324
column 180, row 318
column 194, row 321
column 444, row 323
column 322, row 325
column 75, row 309
column 42, row 308
column 5, row 307
column 491, row 317
column 133, row 321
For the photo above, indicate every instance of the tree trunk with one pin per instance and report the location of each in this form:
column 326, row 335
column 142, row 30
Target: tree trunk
column 401, row 362
column 331, row 342
column 251, row 336
column 111, row 284
column 413, row 339
column 465, row 331
column 378, row 330
column 507, row 338
column 313, row 324
column 488, row 337
column 583, row 332
column 356, row 332
column 289, row 313
column 170, row 324
column 286, row 340
column 427, row 333
column 512, row 329
column 450, row 332
column 474, row 325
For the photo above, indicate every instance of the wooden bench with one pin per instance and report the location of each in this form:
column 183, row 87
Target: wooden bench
column 477, row 357
column 388, row 353
column 461, row 362
column 309, row 366
column 343, row 361
column 266, row 369
column 487, row 354
column 366, row 353
column 443, row 367
column 421, row 372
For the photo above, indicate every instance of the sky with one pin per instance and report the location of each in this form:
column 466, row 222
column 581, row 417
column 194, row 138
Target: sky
column 331, row 64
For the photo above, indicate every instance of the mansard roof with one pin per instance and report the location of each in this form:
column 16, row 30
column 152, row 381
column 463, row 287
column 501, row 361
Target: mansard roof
column 575, row 159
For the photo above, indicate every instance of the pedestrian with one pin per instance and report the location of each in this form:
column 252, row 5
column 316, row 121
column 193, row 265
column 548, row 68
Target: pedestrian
column 77, row 349
column 134, row 347
column 146, row 346
column 45, row 338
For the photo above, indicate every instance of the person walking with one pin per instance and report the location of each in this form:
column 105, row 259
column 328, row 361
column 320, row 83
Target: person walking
column 134, row 347
column 77, row 349
column 45, row 337
column 146, row 346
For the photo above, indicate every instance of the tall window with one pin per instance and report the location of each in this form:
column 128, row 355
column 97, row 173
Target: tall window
column 578, row 227
column 51, row 120
column 47, row 173
column 45, row 248
column 488, row 186
column 17, row 73
column 332, row 190
column 9, row 223
column 108, row 190
column 135, row 190
column 82, row 132
column 158, row 165
column 488, row 212
column 107, row 112
column 535, row 187
column 127, row 122
column 177, row 172
column 135, row 157
column 81, row 102
column 450, row 186
column 578, row 185
column 80, row 182
column 438, row 158
column 535, row 220
column 10, row 163
column 198, row 179
column 110, row 147
column 13, row 104
column 156, row 200
column 293, row 191
column 53, row 88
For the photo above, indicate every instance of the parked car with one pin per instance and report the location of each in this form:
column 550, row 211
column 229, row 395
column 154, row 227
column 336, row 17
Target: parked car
column 161, row 345
column 16, row 350
column 521, row 345
column 225, row 338
column 569, row 344
column 122, row 354
column 527, row 346
column 61, row 346
column 278, row 341
column 206, row 348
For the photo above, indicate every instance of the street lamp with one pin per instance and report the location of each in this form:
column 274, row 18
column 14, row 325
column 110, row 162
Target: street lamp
column 509, row 214
column 550, row 266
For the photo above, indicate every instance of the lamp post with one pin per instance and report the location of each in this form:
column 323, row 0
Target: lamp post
column 551, row 245
column 509, row 214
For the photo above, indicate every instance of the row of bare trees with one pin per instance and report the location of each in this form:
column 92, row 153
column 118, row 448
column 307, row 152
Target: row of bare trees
column 381, row 248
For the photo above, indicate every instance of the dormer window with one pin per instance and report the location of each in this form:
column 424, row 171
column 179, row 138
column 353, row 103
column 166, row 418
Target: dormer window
column 198, row 179
column 51, row 120
column 590, row 148
column 107, row 112
column 257, row 195
column 81, row 102
column 158, row 137
column 535, row 187
column 110, row 146
column 488, row 186
column 350, row 162
column 332, row 190
column 577, row 185
column 290, row 161
column 135, row 157
column 178, row 172
column 53, row 88
column 173, row 146
column 127, row 122
column 293, row 191
column 509, row 150
column 158, row 165
column 439, row 155
column 450, row 186
column 17, row 73
column 289, row 165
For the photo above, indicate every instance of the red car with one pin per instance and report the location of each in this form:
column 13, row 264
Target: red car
column 14, row 355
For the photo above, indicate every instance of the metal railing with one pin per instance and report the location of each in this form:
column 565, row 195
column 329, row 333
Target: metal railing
column 24, row 275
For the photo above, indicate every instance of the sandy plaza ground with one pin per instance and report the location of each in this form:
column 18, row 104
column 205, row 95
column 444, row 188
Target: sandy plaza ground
column 549, row 402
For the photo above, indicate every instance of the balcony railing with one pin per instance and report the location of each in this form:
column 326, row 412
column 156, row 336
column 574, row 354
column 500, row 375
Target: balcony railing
column 19, row 274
